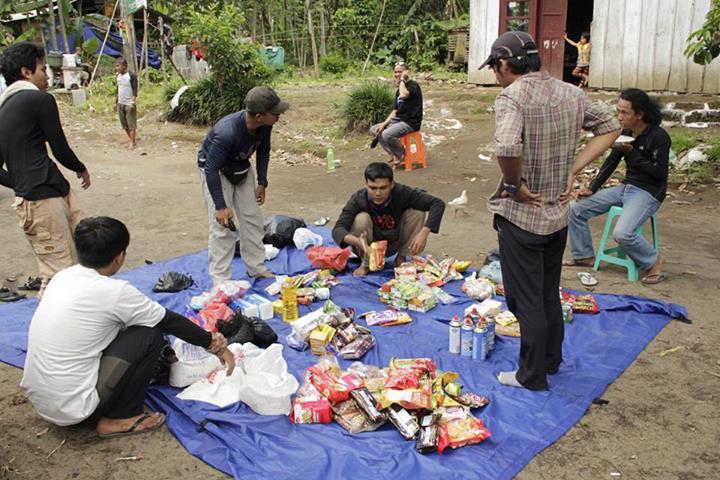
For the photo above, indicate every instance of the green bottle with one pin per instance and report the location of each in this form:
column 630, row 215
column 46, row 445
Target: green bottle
column 330, row 160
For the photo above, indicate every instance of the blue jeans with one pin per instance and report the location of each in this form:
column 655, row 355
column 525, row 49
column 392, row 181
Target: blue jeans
column 637, row 204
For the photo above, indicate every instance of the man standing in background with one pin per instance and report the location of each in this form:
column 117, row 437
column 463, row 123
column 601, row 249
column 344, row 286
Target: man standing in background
column 126, row 94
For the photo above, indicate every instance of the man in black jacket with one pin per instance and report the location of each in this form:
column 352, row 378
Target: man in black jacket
column 405, row 118
column 45, row 204
column 385, row 210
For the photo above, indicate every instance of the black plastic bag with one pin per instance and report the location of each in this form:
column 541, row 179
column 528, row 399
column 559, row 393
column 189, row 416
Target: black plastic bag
column 279, row 230
column 172, row 282
column 241, row 329
column 263, row 334
column 161, row 375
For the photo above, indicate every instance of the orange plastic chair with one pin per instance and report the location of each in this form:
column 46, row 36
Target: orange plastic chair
column 414, row 150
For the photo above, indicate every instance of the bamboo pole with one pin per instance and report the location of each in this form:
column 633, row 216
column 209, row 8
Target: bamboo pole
column 146, row 54
column 102, row 47
column 377, row 30
column 162, row 49
column 63, row 32
column 316, row 68
column 53, row 32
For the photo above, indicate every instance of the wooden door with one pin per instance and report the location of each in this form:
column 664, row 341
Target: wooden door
column 518, row 15
column 552, row 16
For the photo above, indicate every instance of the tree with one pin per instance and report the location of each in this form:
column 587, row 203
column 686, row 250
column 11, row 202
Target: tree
column 704, row 44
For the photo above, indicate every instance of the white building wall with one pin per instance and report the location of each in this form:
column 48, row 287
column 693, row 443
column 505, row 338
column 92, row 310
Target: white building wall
column 484, row 23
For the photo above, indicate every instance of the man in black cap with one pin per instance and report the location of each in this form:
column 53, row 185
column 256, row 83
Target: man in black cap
column 538, row 123
column 228, row 182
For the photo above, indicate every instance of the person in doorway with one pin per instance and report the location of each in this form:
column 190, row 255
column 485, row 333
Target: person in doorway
column 228, row 182
column 539, row 120
column 94, row 341
column 584, row 48
column 46, row 206
column 126, row 93
column 405, row 118
column 385, row 210
column 640, row 194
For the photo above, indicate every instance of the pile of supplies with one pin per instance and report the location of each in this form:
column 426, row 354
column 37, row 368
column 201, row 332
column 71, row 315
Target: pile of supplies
column 420, row 401
column 331, row 327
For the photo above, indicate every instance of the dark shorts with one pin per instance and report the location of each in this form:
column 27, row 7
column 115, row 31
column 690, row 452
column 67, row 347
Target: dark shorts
column 128, row 117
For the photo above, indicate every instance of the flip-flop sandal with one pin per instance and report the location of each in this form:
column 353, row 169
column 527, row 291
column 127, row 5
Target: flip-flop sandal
column 582, row 262
column 654, row 279
column 32, row 284
column 133, row 428
column 8, row 296
column 587, row 279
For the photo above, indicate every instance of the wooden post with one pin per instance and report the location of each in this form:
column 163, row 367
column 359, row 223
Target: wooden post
column 253, row 34
column 323, row 35
column 63, row 32
column 316, row 67
column 53, row 32
column 162, row 49
column 146, row 54
column 377, row 30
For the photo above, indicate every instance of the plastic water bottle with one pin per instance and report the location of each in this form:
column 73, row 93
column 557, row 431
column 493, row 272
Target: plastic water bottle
column 330, row 160
column 289, row 300
column 454, row 346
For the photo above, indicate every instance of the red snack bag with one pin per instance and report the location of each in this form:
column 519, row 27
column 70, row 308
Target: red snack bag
column 352, row 381
column 334, row 258
column 377, row 255
column 311, row 411
column 329, row 385
column 402, row 378
column 459, row 433
column 214, row 312
column 422, row 364
column 581, row 303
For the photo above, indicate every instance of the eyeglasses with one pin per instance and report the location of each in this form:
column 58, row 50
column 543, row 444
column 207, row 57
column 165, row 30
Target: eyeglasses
column 400, row 64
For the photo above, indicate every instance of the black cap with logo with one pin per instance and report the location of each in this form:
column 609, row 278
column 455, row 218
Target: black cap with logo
column 511, row 45
column 264, row 100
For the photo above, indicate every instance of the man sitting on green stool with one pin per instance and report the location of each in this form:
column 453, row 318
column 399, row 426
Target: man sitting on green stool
column 640, row 193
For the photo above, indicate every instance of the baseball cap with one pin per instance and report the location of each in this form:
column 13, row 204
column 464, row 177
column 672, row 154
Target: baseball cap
column 264, row 99
column 509, row 45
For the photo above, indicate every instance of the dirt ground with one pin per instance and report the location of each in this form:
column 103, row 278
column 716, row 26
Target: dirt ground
column 661, row 420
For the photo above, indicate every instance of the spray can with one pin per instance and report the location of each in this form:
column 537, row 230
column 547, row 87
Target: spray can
column 454, row 346
column 490, row 325
column 480, row 342
column 475, row 316
column 466, row 338
column 330, row 160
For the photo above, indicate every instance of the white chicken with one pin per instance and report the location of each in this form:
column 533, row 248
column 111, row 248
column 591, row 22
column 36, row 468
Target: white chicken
column 459, row 203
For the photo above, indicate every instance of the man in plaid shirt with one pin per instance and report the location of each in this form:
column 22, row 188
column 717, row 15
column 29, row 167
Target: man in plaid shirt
column 539, row 120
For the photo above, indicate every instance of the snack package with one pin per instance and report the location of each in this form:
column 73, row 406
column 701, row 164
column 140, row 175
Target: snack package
column 295, row 342
column 311, row 411
column 441, row 296
column 473, row 400
column 352, row 419
column 581, row 303
column 451, row 414
column 406, row 271
column 405, row 423
column 329, row 385
column 422, row 364
column 459, row 433
column 319, row 338
column 412, row 399
column 367, row 404
column 402, row 378
column 386, row 318
column 505, row 318
column 328, row 257
column 429, row 433
column 377, row 255
column 304, row 325
column 357, row 348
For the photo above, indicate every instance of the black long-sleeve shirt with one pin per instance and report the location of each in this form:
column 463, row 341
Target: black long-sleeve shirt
column 28, row 119
column 647, row 163
column 386, row 218
column 175, row 324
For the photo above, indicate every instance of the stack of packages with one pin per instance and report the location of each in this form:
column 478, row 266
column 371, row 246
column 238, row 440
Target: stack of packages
column 422, row 402
column 312, row 286
column 577, row 304
column 334, row 328
column 209, row 307
column 417, row 283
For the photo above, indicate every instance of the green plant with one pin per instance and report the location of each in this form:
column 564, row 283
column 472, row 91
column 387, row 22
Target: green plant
column 682, row 141
column 334, row 63
column 367, row 104
column 703, row 45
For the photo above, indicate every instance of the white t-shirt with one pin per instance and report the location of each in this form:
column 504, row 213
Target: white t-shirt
column 81, row 313
column 125, row 91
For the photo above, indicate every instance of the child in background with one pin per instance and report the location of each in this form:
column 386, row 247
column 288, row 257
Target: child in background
column 584, row 47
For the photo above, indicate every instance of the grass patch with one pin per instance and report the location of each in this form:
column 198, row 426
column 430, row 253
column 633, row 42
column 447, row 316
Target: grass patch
column 366, row 105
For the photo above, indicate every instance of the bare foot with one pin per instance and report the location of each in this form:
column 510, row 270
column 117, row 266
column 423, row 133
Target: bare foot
column 361, row 271
column 132, row 146
column 579, row 262
column 109, row 426
column 265, row 274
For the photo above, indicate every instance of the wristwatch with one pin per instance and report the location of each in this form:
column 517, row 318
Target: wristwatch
column 510, row 188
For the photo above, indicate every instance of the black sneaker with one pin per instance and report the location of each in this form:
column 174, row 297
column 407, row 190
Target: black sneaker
column 32, row 284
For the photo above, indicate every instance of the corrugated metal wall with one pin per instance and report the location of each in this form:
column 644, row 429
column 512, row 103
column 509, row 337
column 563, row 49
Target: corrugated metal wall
column 484, row 22
column 636, row 43
column 640, row 43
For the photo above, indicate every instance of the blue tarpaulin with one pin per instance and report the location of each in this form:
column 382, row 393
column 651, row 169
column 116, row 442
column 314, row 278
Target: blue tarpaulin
column 235, row 440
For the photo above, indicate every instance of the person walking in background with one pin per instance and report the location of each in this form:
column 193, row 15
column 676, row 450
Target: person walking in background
column 584, row 48
column 405, row 118
column 126, row 94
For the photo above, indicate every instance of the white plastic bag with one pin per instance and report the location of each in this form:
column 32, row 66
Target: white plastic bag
column 304, row 238
column 260, row 380
column 477, row 288
column 270, row 252
column 194, row 363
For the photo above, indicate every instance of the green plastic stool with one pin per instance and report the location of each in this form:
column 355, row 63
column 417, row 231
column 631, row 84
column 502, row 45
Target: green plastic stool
column 616, row 255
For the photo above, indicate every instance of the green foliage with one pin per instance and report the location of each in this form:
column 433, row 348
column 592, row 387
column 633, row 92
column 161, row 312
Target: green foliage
column 683, row 141
column 366, row 105
column 236, row 66
column 703, row 45
column 334, row 63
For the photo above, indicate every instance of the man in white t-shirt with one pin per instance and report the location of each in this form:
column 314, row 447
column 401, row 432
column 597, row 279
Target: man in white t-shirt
column 94, row 341
column 126, row 99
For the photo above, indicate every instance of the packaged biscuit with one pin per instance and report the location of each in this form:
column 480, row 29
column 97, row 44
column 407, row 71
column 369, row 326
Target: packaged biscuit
column 459, row 433
column 311, row 411
column 429, row 433
column 377, row 255
column 405, row 423
column 367, row 404
column 352, row 419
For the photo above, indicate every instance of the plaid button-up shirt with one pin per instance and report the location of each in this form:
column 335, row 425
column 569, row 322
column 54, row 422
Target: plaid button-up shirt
column 540, row 119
